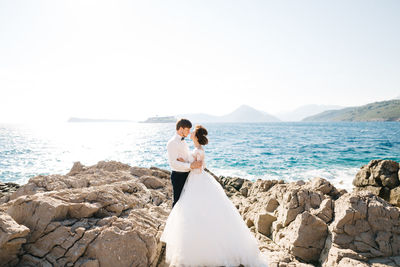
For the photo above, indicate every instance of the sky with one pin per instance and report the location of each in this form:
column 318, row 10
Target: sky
column 135, row 59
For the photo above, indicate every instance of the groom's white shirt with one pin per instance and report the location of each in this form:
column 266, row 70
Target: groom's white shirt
column 178, row 148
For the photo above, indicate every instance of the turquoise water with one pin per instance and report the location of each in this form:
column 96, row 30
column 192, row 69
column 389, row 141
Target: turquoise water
column 285, row 150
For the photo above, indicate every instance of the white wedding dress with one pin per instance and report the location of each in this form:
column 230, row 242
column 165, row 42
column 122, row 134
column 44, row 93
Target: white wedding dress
column 205, row 229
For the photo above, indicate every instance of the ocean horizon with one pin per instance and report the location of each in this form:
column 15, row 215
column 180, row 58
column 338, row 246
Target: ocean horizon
column 278, row 150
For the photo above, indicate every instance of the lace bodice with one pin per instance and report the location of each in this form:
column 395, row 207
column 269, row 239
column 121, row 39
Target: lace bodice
column 198, row 154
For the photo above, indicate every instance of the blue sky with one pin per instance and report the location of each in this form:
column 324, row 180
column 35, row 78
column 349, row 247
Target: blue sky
column 133, row 59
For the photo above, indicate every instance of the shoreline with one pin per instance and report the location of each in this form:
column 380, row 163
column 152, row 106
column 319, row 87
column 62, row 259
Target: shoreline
column 339, row 176
column 91, row 209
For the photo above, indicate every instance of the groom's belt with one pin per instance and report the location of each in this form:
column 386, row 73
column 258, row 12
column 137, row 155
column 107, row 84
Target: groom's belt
column 178, row 172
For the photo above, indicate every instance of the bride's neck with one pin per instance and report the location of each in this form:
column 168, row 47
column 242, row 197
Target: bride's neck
column 196, row 144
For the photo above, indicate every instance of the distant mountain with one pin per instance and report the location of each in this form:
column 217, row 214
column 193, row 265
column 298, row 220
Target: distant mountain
column 242, row 114
column 74, row 119
column 167, row 119
column 305, row 111
column 398, row 97
column 248, row 114
column 377, row 111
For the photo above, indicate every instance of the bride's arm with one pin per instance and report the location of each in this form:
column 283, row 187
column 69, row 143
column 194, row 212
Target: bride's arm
column 195, row 156
column 198, row 155
column 193, row 159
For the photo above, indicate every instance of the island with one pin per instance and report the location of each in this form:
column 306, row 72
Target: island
column 74, row 119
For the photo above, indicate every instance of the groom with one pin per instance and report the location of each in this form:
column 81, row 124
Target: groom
column 177, row 148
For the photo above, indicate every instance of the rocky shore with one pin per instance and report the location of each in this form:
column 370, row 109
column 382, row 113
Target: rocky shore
column 112, row 214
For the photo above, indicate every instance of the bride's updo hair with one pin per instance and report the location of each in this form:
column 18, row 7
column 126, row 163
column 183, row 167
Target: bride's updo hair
column 201, row 135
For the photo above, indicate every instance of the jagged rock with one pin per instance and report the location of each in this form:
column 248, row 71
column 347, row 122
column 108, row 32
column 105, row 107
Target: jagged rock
column 263, row 223
column 113, row 214
column 234, row 185
column 380, row 177
column 97, row 214
column 76, row 168
column 152, row 182
column 308, row 222
column 271, row 205
column 380, row 262
column 263, row 186
column 369, row 188
column 395, row 196
column 275, row 254
column 112, row 166
column 109, row 217
column 365, row 227
column 235, row 182
column 287, row 213
column 304, row 237
column 124, row 243
column 12, row 236
column 139, row 172
column 6, row 189
column 100, row 174
column 325, row 187
column 160, row 173
column 325, row 210
column 244, row 190
column 378, row 173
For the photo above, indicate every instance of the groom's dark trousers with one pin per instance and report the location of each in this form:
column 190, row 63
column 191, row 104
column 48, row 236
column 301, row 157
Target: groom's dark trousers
column 178, row 180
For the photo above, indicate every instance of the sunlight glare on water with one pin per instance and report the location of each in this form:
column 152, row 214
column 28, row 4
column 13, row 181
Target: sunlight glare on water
column 289, row 151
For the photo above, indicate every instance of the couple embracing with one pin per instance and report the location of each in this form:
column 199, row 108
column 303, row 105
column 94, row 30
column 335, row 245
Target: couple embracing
column 204, row 228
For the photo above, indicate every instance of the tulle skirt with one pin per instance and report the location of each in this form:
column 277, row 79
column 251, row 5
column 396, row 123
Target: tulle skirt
column 205, row 229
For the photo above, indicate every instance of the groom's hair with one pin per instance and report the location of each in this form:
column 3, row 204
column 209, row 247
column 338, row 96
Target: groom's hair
column 184, row 123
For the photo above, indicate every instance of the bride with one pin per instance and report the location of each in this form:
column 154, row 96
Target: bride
column 204, row 228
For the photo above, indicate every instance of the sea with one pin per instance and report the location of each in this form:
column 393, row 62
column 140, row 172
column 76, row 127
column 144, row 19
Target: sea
column 280, row 150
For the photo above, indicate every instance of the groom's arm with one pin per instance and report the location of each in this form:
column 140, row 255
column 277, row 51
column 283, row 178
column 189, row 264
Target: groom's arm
column 173, row 159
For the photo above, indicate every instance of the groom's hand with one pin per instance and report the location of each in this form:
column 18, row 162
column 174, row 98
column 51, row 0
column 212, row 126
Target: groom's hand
column 196, row 164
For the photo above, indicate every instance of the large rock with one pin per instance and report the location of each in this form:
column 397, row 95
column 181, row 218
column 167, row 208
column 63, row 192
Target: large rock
column 234, row 185
column 294, row 215
column 152, row 182
column 94, row 216
column 376, row 190
column 395, row 196
column 12, row 236
column 380, row 177
column 365, row 228
column 110, row 214
column 113, row 214
column 139, row 172
column 304, row 237
column 263, row 223
column 319, row 224
column 380, row 173
column 6, row 189
column 76, row 168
